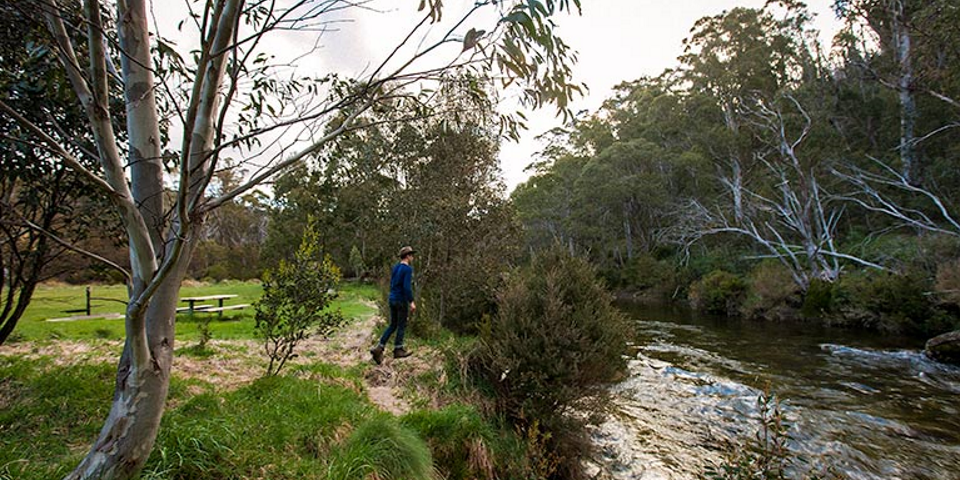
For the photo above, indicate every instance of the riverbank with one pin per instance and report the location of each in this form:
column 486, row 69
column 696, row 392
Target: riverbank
column 910, row 305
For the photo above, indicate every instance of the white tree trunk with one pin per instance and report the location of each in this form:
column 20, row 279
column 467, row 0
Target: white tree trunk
column 910, row 167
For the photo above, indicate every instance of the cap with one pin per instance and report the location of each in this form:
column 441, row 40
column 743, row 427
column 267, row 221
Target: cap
column 407, row 251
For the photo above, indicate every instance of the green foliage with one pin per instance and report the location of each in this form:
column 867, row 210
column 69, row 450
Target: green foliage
column 356, row 262
column 772, row 293
column 215, row 262
column 41, row 198
column 460, row 440
column 719, row 292
column 819, row 299
column 382, row 448
column 555, row 343
column 47, row 408
column 889, row 302
column 432, row 183
column 296, row 297
column 656, row 279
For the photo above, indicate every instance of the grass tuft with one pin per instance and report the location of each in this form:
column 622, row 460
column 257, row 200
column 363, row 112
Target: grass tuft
column 382, row 448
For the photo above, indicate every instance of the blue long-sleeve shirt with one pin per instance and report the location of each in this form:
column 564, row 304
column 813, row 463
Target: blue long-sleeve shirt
column 401, row 283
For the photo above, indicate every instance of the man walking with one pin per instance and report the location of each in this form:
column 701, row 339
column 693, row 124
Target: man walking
column 401, row 305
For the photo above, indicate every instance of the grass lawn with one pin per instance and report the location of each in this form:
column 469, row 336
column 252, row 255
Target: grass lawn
column 51, row 301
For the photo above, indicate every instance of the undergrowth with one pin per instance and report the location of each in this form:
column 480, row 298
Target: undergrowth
column 313, row 423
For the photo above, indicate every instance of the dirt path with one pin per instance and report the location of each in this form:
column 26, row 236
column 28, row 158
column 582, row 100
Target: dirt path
column 349, row 347
column 238, row 362
column 385, row 384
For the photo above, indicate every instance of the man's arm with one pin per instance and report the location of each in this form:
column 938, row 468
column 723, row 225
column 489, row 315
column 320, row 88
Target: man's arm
column 408, row 288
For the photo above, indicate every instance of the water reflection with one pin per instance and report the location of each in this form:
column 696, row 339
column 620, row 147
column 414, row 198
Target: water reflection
column 870, row 406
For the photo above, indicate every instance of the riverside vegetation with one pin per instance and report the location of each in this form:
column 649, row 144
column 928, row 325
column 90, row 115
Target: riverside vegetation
column 491, row 408
column 759, row 177
column 770, row 175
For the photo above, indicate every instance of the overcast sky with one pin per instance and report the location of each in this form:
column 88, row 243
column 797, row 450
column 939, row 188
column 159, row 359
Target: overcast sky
column 617, row 40
column 620, row 40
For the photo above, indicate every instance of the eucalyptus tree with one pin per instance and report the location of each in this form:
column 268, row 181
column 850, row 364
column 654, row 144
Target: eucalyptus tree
column 225, row 94
column 739, row 59
column 546, row 202
column 910, row 48
column 772, row 154
column 432, row 182
column 43, row 206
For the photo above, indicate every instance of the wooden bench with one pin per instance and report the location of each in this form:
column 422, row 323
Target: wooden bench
column 196, row 308
column 193, row 301
column 222, row 309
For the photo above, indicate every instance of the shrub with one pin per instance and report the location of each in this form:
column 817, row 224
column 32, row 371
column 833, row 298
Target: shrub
column 888, row 302
column 356, row 262
column 656, row 279
column 773, row 294
column 766, row 454
column 463, row 289
column 554, row 344
column 296, row 297
column 719, row 293
column 819, row 299
column 948, row 284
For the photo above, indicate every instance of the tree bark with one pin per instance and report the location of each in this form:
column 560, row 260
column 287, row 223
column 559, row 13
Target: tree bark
column 130, row 431
column 908, row 105
column 143, row 374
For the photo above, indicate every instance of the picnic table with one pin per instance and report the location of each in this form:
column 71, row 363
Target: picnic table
column 193, row 307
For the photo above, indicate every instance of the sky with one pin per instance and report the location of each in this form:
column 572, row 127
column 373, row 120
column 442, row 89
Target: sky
column 616, row 41
column 622, row 40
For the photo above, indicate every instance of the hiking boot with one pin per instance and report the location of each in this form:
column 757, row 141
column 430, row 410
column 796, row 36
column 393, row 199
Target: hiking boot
column 400, row 353
column 377, row 353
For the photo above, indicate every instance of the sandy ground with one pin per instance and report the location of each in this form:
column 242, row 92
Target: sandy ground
column 237, row 362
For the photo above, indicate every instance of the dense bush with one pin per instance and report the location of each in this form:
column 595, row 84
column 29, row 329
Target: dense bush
column 819, row 299
column 654, row 279
column 888, row 302
column 719, row 292
column 772, row 293
column 948, row 284
column 217, row 262
column 463, row 291
column 554, row 344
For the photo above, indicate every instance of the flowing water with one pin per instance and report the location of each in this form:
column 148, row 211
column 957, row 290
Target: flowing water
column 868, row 406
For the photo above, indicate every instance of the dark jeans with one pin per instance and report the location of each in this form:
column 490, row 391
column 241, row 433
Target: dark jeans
column 398, row 323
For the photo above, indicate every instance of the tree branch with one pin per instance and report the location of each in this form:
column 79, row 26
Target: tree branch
column 55, row 147
column 69, row 245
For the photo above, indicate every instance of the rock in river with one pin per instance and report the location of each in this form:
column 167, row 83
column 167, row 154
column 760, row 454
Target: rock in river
column 945, row 348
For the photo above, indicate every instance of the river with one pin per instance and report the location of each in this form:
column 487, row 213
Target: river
column 869, row 406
